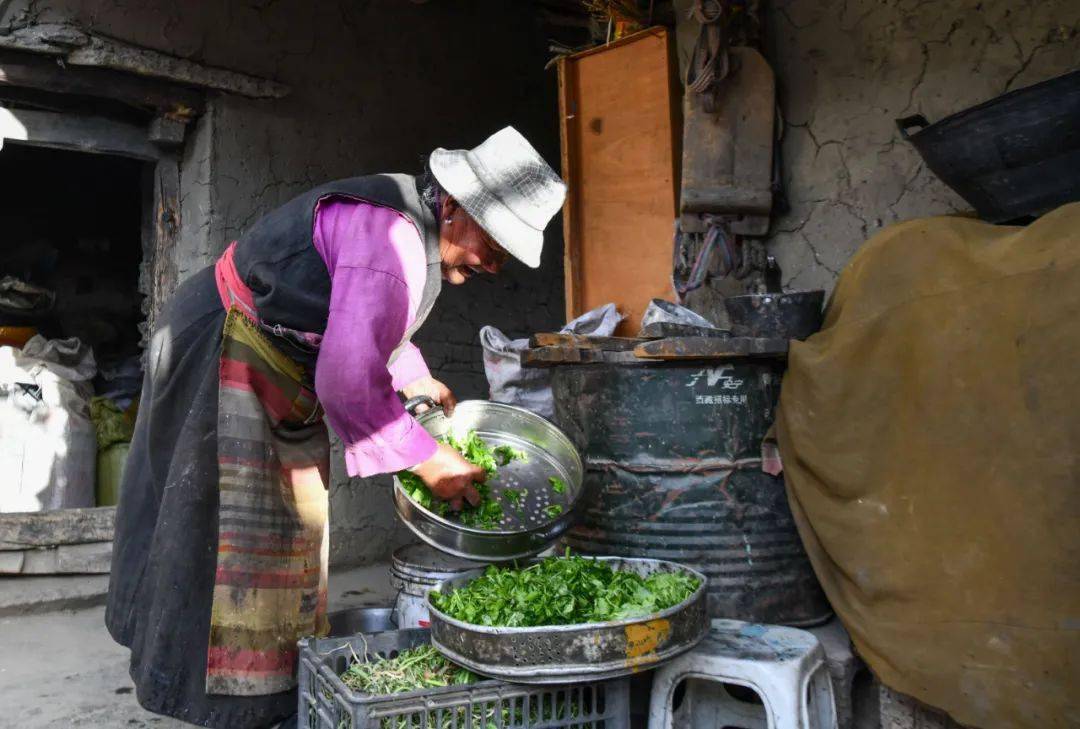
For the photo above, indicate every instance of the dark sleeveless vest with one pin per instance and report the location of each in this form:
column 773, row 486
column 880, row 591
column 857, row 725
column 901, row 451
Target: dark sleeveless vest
column 277, row 259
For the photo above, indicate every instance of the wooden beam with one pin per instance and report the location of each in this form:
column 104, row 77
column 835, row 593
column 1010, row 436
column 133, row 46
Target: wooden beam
column 80, row 133
column 53, row 38
column 35, row 71
column 711, row 348
column 79, row 48
column 51, row 528
column 548, row 356
column 107, row 53
column 166, row 132
column 577, row 341
column 166, row 222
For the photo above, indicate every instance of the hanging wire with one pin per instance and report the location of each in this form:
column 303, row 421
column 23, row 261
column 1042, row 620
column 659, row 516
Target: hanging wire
column 717, row 241
column 709, row 64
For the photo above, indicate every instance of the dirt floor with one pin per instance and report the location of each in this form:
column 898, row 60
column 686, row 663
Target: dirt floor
column 61, row 669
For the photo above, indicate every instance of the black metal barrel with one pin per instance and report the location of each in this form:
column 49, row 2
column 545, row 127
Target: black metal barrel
column 673, row 471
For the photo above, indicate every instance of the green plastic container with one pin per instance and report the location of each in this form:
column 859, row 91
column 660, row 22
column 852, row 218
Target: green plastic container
column 110, row 470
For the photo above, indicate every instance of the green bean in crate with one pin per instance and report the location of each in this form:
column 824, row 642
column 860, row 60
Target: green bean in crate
column 326, row 701
column 417, row 668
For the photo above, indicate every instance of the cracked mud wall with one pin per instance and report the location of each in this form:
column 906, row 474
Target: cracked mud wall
column 846, row 69
column 376, row 85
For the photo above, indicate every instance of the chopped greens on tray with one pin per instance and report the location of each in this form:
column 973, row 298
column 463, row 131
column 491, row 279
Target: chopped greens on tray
column 504, row 454
column 563, row 591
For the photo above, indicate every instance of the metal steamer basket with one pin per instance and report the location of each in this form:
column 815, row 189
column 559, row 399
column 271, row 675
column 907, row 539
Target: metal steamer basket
column 524, row 531
column 570, row 653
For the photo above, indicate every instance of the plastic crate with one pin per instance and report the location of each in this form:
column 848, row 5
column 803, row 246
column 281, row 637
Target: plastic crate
column 325, row 702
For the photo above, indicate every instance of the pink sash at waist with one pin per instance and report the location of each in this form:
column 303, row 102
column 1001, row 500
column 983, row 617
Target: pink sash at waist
column 231, row 288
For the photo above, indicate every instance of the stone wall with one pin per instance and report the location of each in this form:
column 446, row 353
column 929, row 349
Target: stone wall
column 376, row 85
column 849, row 68
column 846, row 69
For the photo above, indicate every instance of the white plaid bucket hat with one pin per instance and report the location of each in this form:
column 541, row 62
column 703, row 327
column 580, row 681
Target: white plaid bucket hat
column 507, row 188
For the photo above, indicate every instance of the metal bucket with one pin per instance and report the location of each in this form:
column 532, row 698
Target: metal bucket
column 415, row 569
column 1014, row 156
column 791, row 315
column 673, row 471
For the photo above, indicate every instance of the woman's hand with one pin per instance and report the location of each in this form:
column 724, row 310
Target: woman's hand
column 434, row 389
column 450, row 477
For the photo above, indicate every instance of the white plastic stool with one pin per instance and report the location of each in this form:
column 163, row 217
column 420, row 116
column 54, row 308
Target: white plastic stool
column 784, row 666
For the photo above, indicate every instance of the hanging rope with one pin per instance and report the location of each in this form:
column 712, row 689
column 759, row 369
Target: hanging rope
column 717, row 252
column 718, row 242
column 709, row 62
column 724, row 23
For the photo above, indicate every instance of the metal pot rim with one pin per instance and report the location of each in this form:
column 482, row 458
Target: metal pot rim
column 800, row 293
column 459, row 527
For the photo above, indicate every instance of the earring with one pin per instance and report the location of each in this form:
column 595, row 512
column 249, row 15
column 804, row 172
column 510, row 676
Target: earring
column 449, row 221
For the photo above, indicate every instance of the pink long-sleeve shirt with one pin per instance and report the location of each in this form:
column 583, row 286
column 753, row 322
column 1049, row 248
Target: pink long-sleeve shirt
column 377, row 265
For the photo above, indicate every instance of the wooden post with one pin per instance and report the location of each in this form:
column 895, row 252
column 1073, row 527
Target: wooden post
column 166, row 228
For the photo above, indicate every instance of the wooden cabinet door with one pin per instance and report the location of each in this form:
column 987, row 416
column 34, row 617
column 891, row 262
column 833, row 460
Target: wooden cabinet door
column 621, row 128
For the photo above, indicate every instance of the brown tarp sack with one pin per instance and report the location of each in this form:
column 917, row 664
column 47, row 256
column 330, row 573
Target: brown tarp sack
column 929, row 435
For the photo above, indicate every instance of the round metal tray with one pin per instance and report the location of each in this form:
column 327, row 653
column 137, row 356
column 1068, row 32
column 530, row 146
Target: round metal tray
column 572, row 653
column 522, row 533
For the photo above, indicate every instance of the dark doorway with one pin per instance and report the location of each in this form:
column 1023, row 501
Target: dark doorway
column 72, row 223
column 71, row 321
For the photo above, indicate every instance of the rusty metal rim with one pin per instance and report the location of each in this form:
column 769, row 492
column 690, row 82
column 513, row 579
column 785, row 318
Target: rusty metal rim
column 551, row 654
column 561, row 675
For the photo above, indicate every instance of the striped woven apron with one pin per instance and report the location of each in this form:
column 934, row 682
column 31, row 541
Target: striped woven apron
column 273, row 460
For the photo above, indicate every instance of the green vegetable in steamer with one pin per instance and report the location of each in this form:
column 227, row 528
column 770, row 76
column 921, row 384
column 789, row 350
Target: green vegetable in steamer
column 504, row 454
column 488, row 513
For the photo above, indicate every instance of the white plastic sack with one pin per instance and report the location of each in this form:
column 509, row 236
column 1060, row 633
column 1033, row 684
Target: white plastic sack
column 660, row 311
column 48, row 451
column 530, row 387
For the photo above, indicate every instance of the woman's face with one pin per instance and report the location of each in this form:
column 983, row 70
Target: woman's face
column 466, row 249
